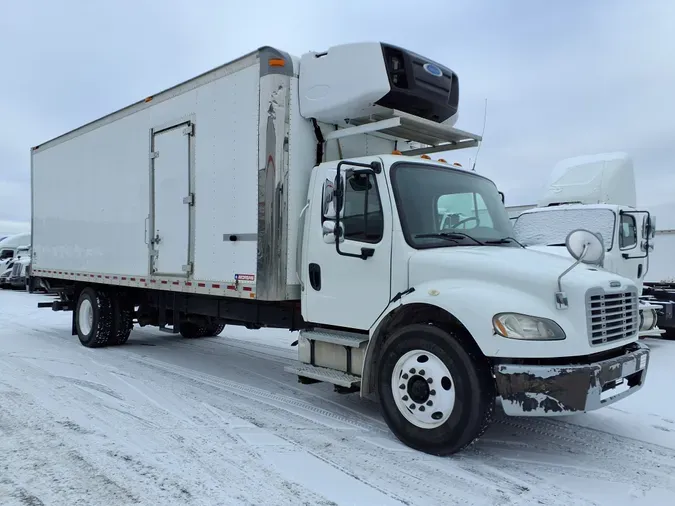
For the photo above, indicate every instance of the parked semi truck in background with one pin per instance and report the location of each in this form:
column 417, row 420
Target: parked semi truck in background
column 282, row 192
column 597, row 192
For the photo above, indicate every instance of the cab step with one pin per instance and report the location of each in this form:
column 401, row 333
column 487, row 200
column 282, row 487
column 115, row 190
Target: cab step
column 324, row 374
column 349, row 339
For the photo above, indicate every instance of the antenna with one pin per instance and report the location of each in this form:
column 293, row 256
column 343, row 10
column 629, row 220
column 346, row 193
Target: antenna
column 473, row 168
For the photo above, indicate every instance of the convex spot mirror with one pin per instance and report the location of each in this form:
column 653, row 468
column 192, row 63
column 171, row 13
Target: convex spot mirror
column 585, row 246
column 331, row 202
column 649, row 226
column 329, row 232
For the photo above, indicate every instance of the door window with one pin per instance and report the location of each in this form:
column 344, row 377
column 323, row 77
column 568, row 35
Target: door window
column 627, row 232
column 363, row 219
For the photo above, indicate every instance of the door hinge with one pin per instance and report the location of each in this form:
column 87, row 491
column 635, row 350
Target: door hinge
column 154, row 154
column 189, row 129
column 187, row 268
column 189, row 200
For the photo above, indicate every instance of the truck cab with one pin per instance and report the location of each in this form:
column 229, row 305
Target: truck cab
column 596, row 193
column 395, row 296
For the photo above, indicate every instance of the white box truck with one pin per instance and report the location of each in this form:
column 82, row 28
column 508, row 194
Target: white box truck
column 298, row 193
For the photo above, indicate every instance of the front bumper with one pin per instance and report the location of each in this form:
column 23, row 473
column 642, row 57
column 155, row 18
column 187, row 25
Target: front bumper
column 19, row 281
column 554, row 390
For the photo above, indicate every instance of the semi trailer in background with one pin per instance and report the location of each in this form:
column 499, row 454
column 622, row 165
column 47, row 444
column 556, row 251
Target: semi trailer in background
column 598, row 193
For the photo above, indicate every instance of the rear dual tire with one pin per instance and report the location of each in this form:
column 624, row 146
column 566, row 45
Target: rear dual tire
column 191, row 330
column 435, row 396
column 102, row 319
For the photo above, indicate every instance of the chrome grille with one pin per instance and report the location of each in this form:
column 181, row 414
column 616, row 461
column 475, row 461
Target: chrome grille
column 611, row 316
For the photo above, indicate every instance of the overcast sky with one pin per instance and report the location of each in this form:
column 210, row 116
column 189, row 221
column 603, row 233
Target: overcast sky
column 562, row 78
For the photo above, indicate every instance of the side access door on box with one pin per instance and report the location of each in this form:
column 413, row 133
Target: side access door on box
column 172, row 199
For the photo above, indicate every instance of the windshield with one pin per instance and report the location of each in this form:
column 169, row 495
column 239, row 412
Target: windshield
column 550, row 227
column 442, row 206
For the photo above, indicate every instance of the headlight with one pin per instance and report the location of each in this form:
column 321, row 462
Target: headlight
column 520, row 326
column 647, row 319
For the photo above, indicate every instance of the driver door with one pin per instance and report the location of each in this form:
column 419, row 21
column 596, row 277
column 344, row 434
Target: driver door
column 348, row 284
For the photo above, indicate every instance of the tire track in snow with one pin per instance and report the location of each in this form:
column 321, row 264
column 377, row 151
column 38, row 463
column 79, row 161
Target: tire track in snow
column 464, row 481
column 604, row 448
column 560, row 448
column 37, row 444
column 204, row 462
column 305, row 391
column 209, row 344
column 296, row 406
column 541, row 437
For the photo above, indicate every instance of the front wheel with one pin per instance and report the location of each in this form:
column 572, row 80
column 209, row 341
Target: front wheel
column 435, row 396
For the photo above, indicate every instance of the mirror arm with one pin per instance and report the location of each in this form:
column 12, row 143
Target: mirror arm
column 581, row 257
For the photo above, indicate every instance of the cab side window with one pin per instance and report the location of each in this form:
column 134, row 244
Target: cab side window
column 627, row 232
column 363, row 219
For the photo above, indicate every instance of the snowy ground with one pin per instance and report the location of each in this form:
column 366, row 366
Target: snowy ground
column 165, row 421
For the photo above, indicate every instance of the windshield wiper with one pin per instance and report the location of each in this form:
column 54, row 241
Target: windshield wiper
column 504, row 240
column 450, row 236
column 556, row 244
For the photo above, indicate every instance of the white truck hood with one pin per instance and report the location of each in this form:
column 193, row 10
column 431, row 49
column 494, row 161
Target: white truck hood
column 554, row 250
column 515, row 267
column 478, row 280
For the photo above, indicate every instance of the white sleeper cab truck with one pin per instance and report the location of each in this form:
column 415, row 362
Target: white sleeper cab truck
column 597, row 193
column 298, row 193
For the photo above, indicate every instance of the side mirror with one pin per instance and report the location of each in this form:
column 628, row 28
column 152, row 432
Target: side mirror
column 330, row 232
column 332, row 195
column 649, row 227
column 585, row 246
column 501, row 194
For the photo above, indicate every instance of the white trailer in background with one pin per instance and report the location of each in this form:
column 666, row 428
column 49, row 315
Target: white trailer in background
column 595, row 192
column 277, row 191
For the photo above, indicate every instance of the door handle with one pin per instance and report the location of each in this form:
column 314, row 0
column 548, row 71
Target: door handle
column 315, row 276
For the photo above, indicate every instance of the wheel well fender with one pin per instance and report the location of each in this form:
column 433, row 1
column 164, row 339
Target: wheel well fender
column 406, row 314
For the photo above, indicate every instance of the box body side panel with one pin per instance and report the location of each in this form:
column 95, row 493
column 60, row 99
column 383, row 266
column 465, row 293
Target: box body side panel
column 226, row 179
column 92, row 189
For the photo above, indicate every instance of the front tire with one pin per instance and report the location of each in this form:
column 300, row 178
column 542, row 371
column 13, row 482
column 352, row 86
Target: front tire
column 94, row 318
column 435, row 397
